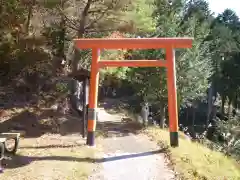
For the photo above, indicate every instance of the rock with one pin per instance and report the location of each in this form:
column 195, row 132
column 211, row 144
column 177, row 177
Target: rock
column 54, row 107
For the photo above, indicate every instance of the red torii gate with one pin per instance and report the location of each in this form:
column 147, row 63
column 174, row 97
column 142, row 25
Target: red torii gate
column 134, row 43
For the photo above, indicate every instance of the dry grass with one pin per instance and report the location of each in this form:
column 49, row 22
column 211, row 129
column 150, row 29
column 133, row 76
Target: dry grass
column 194, row 161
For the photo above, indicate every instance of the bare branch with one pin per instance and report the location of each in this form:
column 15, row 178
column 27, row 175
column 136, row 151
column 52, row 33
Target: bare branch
column 73, row 27
column 96, row 11
column 71, row 23
column 99, row 30
column 83, row 18
column 90, row 25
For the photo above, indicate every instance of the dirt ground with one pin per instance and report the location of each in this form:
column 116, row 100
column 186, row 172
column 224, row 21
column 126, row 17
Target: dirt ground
column 51, row 149
column 126, row 153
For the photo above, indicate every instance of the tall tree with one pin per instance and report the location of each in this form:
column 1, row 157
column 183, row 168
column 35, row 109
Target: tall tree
column 224, row 47
column 192, row 66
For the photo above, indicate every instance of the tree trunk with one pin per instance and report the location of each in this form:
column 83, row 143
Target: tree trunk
column 229, row 108
column 210, row 103
column 194, row 117
column 145, row 113
column 62, row 36
column 236, row 104
column 162, row 116
column 60, row 54
column 223, row 104
column 80, row 34
column 29, row 16
column 75, row 61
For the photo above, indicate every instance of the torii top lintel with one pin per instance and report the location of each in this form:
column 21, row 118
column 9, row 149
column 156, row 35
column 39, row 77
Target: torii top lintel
column 133, row 43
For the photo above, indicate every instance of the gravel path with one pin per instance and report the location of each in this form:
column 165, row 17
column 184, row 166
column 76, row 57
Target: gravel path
column 129, row 156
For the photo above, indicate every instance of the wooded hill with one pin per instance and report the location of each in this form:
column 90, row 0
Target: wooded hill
column 36, row 46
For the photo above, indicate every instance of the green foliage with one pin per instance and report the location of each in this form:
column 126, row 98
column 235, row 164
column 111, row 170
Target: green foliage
column 53, row 35
column 61, row 87
column 140, row 14
column 10, row 26
column 230, row 134
column 12, row 16
column 16, row 9
column 224, row 45
column 192, row 65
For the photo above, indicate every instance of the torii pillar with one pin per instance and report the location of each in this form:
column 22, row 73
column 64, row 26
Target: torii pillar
column 170, row 44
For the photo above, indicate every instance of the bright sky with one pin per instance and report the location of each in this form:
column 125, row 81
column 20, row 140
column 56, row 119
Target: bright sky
column 218, row 6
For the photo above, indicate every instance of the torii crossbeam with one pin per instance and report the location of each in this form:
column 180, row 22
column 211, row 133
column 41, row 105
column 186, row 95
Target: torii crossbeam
column 170, row 44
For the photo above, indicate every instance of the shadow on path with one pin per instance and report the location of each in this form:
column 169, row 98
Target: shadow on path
column 19, row 161
column 50, row 146
column 118, row 129
column 129, row 156
column 114, row 123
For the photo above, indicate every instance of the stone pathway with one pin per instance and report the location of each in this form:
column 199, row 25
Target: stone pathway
column 129, row 156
